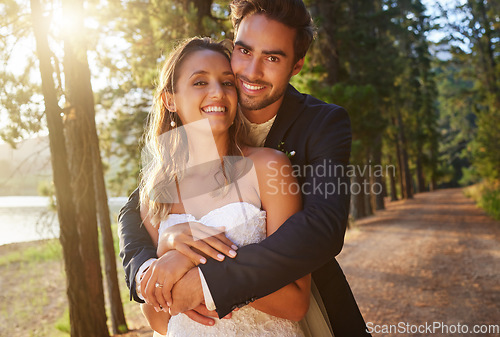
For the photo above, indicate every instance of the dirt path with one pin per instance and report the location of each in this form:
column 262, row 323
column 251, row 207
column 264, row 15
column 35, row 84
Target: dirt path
column 432, row 260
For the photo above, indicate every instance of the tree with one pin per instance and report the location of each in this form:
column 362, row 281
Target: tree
column 347, row 63
column 483, row 18
column 79, row 300
column 80, row 184
column 473, row 74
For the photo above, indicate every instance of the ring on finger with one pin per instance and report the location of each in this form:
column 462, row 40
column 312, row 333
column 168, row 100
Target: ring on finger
column 158, row 285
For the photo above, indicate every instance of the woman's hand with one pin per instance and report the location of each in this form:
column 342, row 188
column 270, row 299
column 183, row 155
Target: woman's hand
column 194, row 239
column 157, row 283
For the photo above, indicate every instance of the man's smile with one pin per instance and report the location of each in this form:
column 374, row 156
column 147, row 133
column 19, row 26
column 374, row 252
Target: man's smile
column 251, row 87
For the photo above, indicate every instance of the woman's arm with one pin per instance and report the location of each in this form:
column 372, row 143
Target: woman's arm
column 158, row 321
column 153, row 231
column 280, row 199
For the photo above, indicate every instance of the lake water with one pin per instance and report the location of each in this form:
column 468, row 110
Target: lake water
column 26, row 218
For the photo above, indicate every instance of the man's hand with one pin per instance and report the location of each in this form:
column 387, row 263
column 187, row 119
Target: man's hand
column 197, row 316
column 202, row 315
column 157, row 284
column 187, row 293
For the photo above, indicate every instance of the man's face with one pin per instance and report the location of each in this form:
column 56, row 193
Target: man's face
column 263, row 61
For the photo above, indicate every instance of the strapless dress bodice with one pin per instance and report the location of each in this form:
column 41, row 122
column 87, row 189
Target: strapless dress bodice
column 245, row 223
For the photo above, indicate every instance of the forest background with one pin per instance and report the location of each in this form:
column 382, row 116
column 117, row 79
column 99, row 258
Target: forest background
column 83, row 73
column 426, row 107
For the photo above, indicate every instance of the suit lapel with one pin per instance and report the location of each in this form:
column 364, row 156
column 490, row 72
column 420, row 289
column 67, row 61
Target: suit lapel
column 292, row 106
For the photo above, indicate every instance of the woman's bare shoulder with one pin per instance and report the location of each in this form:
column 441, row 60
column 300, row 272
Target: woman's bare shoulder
column 265, row 158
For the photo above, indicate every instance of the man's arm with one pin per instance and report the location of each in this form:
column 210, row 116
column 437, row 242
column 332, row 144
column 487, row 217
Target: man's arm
column 291, row 301
column 308, row 239
column 136, row 246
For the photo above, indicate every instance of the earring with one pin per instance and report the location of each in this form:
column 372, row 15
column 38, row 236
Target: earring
column 173, row 124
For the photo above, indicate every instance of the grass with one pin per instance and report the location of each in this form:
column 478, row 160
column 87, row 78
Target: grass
column 36, row 303
column 45, row 251
column 62, row 324
column 487, row 196
column 35, row 289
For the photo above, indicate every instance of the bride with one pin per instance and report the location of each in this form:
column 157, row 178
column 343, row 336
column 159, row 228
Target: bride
column 200, row 178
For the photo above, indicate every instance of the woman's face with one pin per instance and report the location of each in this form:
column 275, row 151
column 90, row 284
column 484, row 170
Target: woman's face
column 205, row 88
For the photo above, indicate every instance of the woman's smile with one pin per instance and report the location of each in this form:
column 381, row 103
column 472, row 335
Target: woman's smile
column 214, row 109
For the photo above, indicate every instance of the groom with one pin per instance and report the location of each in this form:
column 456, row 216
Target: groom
column 271, row 40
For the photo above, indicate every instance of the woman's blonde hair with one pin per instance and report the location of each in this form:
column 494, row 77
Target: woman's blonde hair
column 165, row 144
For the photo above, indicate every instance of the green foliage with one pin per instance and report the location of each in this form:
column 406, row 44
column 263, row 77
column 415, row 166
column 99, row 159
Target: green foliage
column 372, row 57
column 487, row 196
column 46, row 188
column 486, row 154
column 469, row 176
column 361, row 101
column 21, row 103
column 490, row 202
column 457, row 120
column 475, row 77
column 121, row 144
column 366, row 119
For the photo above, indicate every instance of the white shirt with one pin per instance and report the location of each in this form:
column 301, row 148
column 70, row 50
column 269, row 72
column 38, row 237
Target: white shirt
column 257, row 133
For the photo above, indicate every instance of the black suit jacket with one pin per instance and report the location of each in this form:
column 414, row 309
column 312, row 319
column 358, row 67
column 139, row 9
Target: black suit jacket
column 320, row 136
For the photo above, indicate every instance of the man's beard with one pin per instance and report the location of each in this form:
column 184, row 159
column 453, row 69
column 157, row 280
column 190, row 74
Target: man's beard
column 253, row 103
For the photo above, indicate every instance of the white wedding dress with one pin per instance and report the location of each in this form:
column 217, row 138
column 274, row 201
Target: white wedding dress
column 245, row 224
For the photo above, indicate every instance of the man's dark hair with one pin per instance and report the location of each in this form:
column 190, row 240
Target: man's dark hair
column 292, row 13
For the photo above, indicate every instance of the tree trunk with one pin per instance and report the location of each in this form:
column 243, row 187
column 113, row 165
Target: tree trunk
column 80, row 143
column 392, row 183
column 377, row 176
column 118, row 322
column 400, row 163
column 358, row 198
column 433, row 182
column 328, row 11
column 367, row 185
column 367, row 196
column 420, row 173
column 405, row 169
column 76, row 287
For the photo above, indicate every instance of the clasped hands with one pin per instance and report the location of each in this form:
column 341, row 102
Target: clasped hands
column 173, row 280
